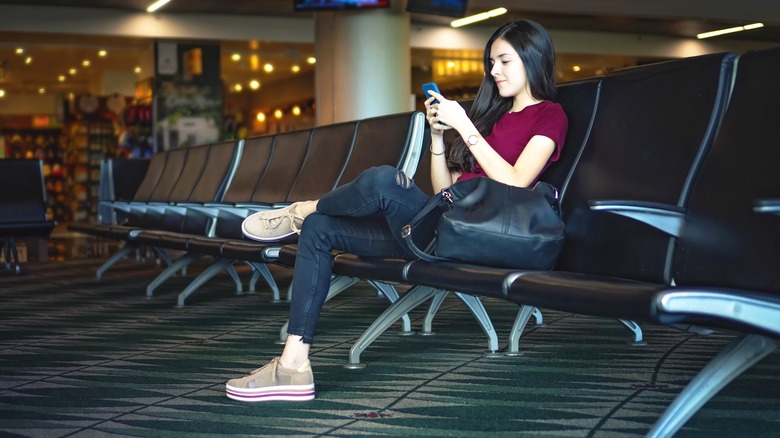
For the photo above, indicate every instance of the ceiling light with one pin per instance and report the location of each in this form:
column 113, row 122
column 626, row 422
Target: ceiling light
column 254, row 84
column 278, row 114
column 156, row 5
column 61, row 78
column 238, row 88
column 576, row 68
column 268, row 68
column 137, row 70
column 261, row 117
column 28, row 60
column 72, row 71
column 478, row 17
column 311, row 60
column 715, row 33
column 295, row 68
column 102, row 53
column 19, row 50
column 2, row 93
column 235, row 57
column 41, row 90
column 296, row 110
column 86, row 63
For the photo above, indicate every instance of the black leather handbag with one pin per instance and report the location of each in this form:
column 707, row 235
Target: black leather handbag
column 482, row 221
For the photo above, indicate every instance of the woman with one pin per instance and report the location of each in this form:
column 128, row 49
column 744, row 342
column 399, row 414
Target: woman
column 512, row 133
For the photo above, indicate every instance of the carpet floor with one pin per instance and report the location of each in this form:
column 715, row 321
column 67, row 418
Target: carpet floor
column 87, row 358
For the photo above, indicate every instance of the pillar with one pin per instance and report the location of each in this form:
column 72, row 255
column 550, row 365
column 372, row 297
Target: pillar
column 363, row 64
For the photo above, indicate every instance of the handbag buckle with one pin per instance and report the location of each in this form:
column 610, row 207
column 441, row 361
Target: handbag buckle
column 406, row 231
column 447, row 196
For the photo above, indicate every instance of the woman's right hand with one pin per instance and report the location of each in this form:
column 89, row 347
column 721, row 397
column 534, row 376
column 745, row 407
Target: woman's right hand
column 431, row 114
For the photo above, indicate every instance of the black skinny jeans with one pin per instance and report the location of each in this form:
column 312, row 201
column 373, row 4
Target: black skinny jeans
column 363, row 217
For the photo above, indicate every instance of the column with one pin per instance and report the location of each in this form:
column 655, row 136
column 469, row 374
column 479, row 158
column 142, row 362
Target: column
column 363, row 64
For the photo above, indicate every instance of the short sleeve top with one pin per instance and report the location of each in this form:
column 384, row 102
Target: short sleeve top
column 514, row 130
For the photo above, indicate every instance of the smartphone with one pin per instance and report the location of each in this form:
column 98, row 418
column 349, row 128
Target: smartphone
column 432, row 87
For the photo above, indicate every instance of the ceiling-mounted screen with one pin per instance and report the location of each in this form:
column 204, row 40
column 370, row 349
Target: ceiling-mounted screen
column 326, row 5
column 449, row 8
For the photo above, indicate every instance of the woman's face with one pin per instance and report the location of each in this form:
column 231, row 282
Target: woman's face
column 508, row 70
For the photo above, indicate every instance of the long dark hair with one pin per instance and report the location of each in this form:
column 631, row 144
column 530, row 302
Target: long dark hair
column 535, row 47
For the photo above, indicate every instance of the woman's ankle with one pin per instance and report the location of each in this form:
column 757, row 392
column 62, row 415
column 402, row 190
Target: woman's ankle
column 305, row 208
column 295, row 354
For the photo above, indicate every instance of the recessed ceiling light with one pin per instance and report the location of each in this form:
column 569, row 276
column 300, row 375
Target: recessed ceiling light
column 295, row 68
column 311, row 60
column 102, row 53
column 86, row 63
column 268, row 68
column 254, row 84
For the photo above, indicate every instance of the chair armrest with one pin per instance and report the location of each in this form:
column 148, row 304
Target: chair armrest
column 664, row 217
column 771, row 206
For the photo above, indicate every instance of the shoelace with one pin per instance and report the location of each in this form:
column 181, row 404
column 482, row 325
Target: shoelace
column 276, row 221
column 293, row 224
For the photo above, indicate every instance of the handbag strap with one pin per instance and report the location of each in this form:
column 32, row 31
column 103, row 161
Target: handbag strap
column 432, row 208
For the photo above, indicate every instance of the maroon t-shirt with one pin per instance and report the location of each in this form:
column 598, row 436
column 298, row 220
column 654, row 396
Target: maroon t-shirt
column 513, row 131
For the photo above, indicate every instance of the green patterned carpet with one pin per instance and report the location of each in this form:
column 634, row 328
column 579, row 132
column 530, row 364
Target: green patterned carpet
column 83, row 358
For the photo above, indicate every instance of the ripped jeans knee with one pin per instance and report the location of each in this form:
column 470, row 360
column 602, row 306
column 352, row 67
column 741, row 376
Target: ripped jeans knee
column 403, row 180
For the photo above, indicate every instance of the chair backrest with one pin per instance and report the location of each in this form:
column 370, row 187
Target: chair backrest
column 126, row 176
column 394, row 140
column 579, row 100
column 152, row 176
column 652, row 126
column 251, row 167
column 22, row 191
column 120, row 180
column 723, row 242
column 174, row 164
column 215, row 178
column 328, row 153
column 287, row 157
column 218, row 172
column 191, row 172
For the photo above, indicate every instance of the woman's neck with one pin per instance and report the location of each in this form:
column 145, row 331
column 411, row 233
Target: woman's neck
column 521, row 101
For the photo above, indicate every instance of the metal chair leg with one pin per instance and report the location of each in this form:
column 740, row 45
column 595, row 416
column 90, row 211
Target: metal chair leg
column 730, row 363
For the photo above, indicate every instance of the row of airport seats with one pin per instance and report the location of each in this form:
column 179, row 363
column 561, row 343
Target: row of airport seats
column 670, row 195
column 22, row 206
column 192, row 201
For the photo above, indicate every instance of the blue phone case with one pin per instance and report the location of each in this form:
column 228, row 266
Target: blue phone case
column 430, row 86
